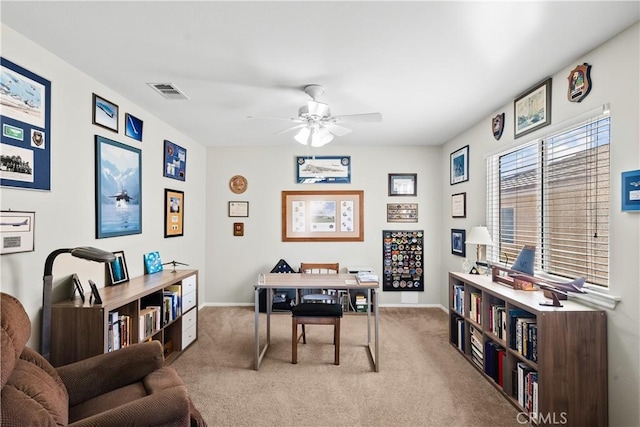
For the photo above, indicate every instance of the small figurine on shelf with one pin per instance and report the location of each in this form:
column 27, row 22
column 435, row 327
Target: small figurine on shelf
column 174, row 263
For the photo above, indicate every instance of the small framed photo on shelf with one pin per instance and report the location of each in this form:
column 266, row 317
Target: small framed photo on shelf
column 118, row 272
column 133, row 127
column 403, row 184
column 77, row 287
column 458, row 238
column 173, row 213
column 238, row 209
column 459, row 205
column 532, row 109
column 105, row 113
column 459, row 166
column 631, row 191
column 175, row 161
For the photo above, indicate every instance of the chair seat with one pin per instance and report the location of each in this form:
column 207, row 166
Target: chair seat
column 317, row 310
column 319, row 297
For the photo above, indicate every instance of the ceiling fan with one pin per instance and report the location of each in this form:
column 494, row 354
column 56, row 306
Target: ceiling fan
column 317, row 126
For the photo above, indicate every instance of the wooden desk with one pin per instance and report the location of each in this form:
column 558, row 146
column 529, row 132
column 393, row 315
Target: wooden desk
column 317, row 281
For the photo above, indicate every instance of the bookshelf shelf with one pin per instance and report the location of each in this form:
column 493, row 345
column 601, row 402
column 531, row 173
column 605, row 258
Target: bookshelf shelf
column 81, row 330
column 549, row 362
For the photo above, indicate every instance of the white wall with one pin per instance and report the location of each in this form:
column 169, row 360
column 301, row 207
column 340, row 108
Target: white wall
column 234, row 262
column 65, row 216
column 615, row 71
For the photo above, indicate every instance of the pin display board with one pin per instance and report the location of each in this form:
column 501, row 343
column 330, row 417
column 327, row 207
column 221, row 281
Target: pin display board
column 402, row 253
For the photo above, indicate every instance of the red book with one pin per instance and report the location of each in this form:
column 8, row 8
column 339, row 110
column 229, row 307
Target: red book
column 501, row 355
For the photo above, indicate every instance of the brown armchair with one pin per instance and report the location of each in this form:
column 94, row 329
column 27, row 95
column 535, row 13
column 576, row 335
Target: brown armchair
column 127, row 387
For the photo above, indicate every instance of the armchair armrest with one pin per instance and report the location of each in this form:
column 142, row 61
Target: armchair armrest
column 97, row 375
column 169, row 407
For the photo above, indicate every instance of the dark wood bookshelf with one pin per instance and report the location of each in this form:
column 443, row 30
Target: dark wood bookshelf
column 571, row 360
column 81, row 330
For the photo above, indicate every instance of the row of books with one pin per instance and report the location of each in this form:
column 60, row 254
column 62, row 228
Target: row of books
column 361, row 303
column 494, row 357
column 524, row 333
column 458, row 298
column 118, row 335
column 457, row 333
column 498, row 321
column 475, row 311
column 149, row 321
column 526, row 388
column 172, row 305
column 477, row 347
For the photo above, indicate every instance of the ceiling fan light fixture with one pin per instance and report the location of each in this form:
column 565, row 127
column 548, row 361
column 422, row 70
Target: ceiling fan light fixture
column 320, row 137
column 303, row 136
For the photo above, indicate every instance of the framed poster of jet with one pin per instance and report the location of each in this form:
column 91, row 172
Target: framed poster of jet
column 16, row 232
column 175, row 161
column 323, row 170
column 118, row 189
column 25, row 118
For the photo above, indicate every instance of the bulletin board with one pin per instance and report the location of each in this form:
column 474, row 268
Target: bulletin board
column 402, row 254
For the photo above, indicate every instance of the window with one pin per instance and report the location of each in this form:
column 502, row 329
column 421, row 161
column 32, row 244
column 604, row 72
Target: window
column 554, row 194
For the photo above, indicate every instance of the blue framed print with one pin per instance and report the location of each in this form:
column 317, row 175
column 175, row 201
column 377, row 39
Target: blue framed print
column 25, row 119
column 631, row 190
column 458, row 237
column 175, row 161
column 459, row 166
column 133, row 127
column 118, row 189
column 323, row 170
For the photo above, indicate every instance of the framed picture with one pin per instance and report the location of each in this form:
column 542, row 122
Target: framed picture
column 118, row 189
column 458, row 238
column 152, row 262
column 77, row 287
column 532, row 109
column 238, row 209
column 132, row 127
column 238, row 229
column 403, row 184
column 95, row 295
column 173, row 213
column 118, row 272
column 402, row 212
column 17, row 232
column 323, row 216
column 175, row 161
column 323, row 170
column 105, row 113
column 459, row 205
column 631, row 191
column 459, row 166
column 26, row 128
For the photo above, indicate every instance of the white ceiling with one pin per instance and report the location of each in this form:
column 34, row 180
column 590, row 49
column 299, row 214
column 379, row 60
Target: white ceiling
column 431, row 68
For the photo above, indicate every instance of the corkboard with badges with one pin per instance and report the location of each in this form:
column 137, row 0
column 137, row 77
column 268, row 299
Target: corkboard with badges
column 402, row 253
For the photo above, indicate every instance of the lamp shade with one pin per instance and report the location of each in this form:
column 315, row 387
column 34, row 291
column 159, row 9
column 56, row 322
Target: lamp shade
column 479, row 235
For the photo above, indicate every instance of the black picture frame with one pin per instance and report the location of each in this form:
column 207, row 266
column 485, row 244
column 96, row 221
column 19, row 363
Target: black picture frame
column 458, row 238
column 77, row 286
column 133, row 127
column 105, row 113
column 459, row 166
column 118, row 271
column 238, row 209
column 175, row 161
column 403, row 184
column 532, row 109
column 95, row 295
column 459, row 205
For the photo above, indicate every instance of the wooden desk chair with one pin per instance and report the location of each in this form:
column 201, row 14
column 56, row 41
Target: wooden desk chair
column 323, row 310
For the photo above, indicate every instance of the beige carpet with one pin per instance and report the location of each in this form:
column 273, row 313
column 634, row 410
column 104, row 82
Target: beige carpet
column 423, row 381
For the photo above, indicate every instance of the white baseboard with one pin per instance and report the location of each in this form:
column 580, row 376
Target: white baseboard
column 250, row 304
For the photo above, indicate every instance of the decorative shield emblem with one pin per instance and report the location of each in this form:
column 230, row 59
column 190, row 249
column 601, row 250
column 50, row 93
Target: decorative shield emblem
column 579, row 83
column 497, row 126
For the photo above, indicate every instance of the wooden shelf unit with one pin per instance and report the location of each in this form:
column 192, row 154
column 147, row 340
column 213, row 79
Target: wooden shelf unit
column 571, row 362
column 81, row 330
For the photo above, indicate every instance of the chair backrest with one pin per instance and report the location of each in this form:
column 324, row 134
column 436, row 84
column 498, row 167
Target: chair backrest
column 319, row 268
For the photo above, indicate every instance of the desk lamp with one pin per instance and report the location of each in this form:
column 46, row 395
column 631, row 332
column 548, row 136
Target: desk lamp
column 480, row 237
column 84, row 252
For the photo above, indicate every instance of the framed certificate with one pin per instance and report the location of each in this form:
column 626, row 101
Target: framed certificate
column 238, row 209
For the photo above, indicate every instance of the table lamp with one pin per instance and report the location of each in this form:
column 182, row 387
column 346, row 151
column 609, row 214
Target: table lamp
column 480, row 237
column 84, row 252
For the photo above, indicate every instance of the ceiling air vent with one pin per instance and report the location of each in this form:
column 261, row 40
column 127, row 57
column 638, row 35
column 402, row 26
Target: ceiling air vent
column 168, row 90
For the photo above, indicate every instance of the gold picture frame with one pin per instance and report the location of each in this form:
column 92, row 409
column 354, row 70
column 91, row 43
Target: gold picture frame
column 173, row 213
column 323, row 216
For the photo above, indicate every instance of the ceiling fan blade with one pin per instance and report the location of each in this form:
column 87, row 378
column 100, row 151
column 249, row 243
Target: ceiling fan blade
column 361, row 118
column 337, row 130
column 289, row 129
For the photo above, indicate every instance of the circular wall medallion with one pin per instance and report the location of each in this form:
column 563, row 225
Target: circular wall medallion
column 238, row 184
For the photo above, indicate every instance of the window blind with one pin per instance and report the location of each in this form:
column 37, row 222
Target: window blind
column 553, row 194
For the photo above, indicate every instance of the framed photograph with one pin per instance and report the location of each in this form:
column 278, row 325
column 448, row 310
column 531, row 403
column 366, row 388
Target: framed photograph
column 458, row 238
column 631, row 191
column 95, row 295
column 77, row 287
column 532, row 109
column 238, row 229
column 118, row 189
column 25, row 116
column 238, row 209
column 402, row 212
column 323, row 216
column 403, row 184
column 459, row 166
column 105, row 113
column 175, row 161
column 459, row 205
column 118, row 272
column 133, row 127
column 173, row 213
column 17, row 232
column 323, row 170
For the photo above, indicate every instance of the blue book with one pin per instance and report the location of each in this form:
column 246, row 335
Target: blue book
column 152, row 262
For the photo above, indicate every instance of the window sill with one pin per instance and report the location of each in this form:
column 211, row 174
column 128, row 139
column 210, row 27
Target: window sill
column 596, row 298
